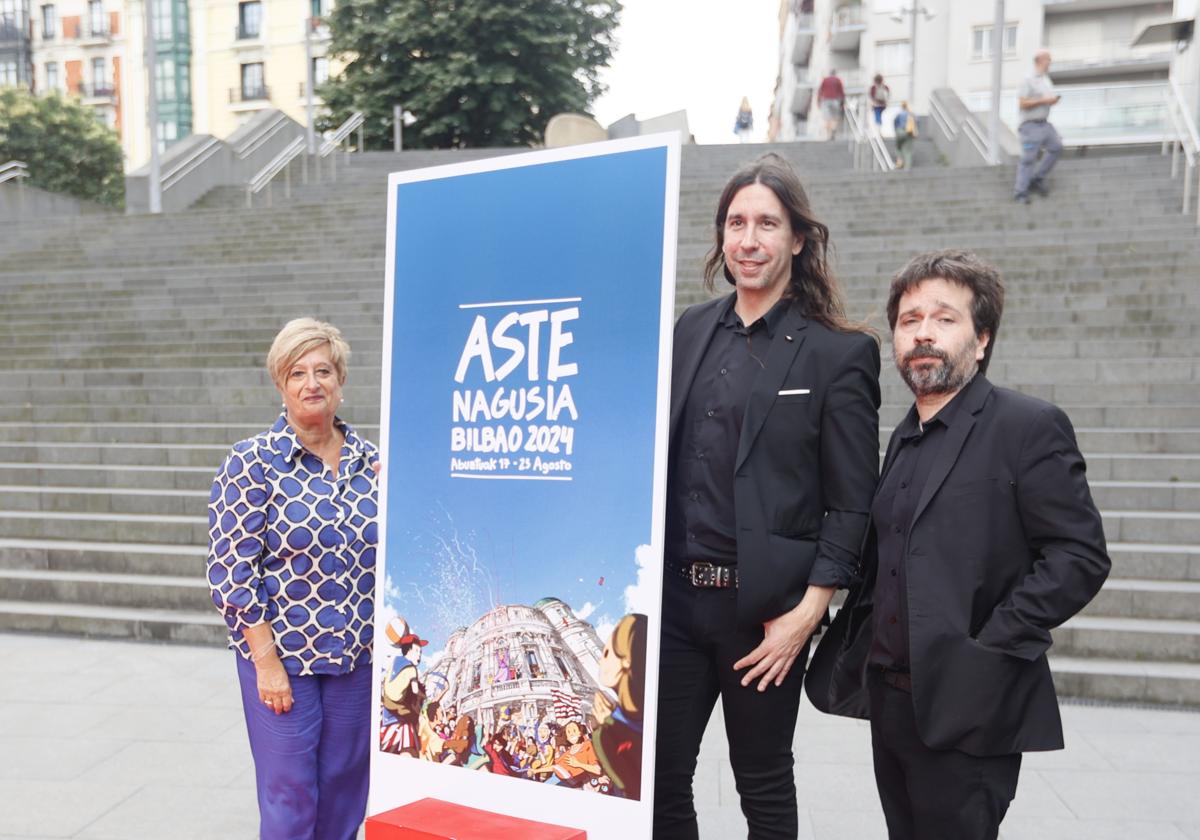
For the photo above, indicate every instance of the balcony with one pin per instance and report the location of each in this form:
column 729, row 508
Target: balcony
column 1082, row 59
column 97, row 93
column 95, row 36
column 847, row 28
column 247, row 33
column 802, row 45
column 302, row 92
column 260, row 95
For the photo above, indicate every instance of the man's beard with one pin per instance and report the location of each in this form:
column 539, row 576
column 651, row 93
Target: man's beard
column 947, row 378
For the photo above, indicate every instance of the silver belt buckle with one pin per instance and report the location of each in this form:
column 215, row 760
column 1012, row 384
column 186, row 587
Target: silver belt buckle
column 703, row 574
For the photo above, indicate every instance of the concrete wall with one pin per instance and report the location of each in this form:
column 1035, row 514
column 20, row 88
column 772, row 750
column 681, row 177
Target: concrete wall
column 196, row 164
column 26, row 202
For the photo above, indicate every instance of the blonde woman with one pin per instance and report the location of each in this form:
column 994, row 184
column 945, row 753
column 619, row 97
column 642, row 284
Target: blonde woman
column 291, row 566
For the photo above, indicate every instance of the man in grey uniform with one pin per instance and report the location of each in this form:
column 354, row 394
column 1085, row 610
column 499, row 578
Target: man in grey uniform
column 1035, row 97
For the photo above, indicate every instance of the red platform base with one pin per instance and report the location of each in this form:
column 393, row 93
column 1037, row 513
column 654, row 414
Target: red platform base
column 433, row 819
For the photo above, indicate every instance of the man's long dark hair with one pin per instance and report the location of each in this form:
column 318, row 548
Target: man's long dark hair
column 812, row 285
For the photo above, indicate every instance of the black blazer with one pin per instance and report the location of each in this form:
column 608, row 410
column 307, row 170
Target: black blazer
column 1004, row 545
column 807, row 462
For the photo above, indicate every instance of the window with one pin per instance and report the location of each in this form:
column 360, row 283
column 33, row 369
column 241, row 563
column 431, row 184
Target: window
column 250, row 19
column 253, row 86
column 100, row 85
column 52, row 75
column 185, row 87
column 8, row 16
column 168, row 133
column 162, row 19
column 96, row 17
column 164, row 78
column 981, row 41
column 8, row 72
column 49, row 23
column 893, row 58
column 320, row 70
column 320, row 8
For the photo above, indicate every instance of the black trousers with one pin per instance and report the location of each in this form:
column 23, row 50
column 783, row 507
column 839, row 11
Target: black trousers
column 700, row 643
column 933, row 794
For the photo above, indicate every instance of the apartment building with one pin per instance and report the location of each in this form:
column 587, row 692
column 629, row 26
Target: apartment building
column 251, row 54
column 16, row 59
column 1111, row 89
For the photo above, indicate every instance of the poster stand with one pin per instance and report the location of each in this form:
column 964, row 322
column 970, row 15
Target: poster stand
column 433, row 819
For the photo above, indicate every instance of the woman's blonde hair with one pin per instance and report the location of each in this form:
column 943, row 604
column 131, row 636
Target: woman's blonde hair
column 629, row 642
column 298, row 337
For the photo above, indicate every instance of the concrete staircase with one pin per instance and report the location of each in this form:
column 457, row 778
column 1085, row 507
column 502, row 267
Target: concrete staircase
column 132, row 358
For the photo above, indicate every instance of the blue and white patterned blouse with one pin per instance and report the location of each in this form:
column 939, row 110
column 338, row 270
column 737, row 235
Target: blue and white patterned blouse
column 289, row 546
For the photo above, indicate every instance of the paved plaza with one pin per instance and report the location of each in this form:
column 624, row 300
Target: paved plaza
column 137, row 741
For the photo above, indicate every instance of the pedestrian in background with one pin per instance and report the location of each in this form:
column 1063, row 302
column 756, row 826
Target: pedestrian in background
column 879, row 94
column 906, row 135
column 831, row 96
column 1036, row 96
column 744, row 124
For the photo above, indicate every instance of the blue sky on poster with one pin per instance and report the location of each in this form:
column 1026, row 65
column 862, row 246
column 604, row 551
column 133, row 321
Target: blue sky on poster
column 458, row 547
column 698, row 55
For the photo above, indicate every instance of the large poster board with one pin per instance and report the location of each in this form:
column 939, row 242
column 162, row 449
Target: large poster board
column 527, row 339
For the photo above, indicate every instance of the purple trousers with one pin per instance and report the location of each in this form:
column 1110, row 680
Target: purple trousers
column 311, row 764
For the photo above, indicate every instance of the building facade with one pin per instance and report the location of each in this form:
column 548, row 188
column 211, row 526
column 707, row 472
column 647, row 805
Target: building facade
column 513, row 661
column 1110, row 88
column 16, row 44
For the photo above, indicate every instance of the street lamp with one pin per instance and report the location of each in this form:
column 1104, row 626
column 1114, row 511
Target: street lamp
column 898, row 17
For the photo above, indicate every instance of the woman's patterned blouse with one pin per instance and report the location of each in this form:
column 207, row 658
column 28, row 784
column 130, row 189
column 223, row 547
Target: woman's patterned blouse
column 288, row 545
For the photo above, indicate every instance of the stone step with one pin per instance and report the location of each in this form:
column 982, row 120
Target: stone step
column 112, row 557
column 1139, row 639
column 1125, row 681
column 112, row 476
column 1155, row 561
column 1147, row 495
column 70, row 499
column 1152, row 526
column 89, row 621
column 105, row 527
column 1151, row 599
column 165, row 592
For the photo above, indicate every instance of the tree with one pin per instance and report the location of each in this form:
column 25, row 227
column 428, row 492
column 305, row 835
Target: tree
column 472, row 72
column 67, row 149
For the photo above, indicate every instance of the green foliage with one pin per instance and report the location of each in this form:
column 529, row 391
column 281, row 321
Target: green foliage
column 67, row 149
column 472, row 72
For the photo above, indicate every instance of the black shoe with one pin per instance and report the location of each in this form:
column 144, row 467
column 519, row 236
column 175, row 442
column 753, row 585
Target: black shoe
column 1021, row 197
column 1038, row 187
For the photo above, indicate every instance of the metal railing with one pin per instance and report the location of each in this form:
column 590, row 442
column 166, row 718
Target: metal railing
column 335, row 139
column 1185, row 143
column 280, row 163
column 968, row 126
column 866, row 146
column 16, row 170
column 261, row 93
column 97, row 90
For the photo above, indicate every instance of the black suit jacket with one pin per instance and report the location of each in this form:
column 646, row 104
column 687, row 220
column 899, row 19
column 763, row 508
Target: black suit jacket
column 1004, row 545
column 807, row 462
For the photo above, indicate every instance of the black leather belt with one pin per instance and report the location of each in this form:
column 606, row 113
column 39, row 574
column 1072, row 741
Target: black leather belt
column 901, row 680
column 706, row 575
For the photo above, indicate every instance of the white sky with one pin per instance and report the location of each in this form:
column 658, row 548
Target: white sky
column 701, row 56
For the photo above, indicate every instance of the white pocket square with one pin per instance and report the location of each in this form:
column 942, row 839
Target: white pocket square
column 794, row 391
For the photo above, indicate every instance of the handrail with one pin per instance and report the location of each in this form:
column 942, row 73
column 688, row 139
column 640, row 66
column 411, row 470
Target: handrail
column 185, row 166
column 343, row 131
column 278, row 164
column 14, row 170
column 940, row 117
column 975, row 135
column 860, row 136
column 1186, row 140
column 968, row 125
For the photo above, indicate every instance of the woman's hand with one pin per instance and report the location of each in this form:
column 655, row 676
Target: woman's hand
column 274, row 687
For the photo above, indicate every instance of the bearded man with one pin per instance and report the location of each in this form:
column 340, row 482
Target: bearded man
column 983, row 537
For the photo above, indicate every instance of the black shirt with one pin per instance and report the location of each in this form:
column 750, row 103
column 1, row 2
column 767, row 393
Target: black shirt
column 891, row 516
column 700, row 518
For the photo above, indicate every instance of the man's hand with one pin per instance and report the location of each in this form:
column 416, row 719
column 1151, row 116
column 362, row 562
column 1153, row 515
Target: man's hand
column 783, row 639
